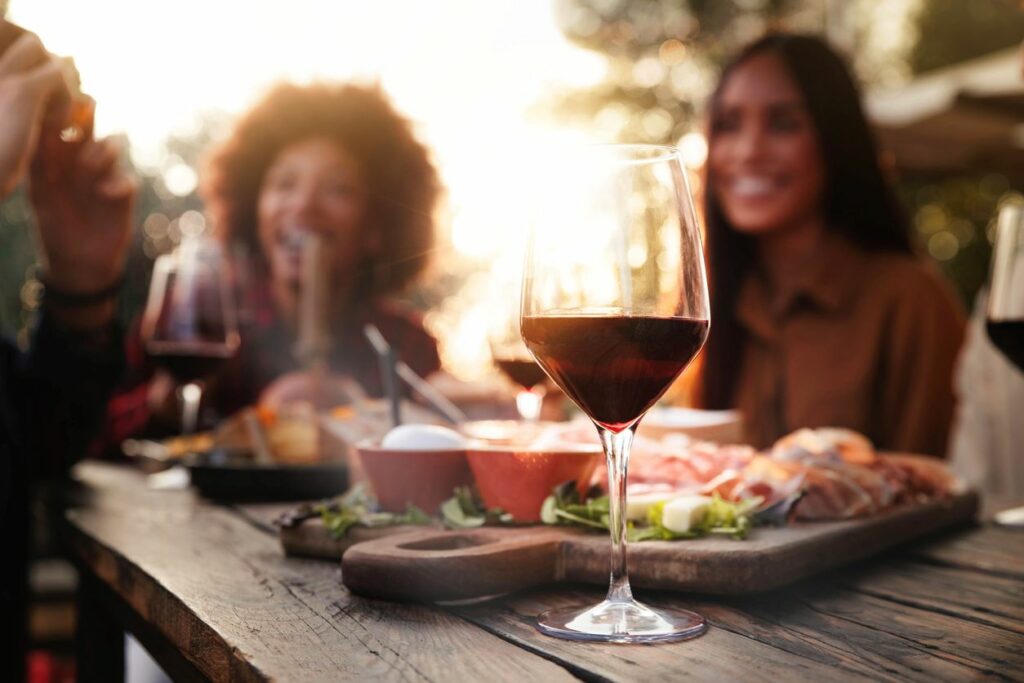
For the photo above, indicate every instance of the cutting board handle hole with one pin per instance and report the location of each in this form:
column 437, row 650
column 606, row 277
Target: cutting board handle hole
column 452, row 542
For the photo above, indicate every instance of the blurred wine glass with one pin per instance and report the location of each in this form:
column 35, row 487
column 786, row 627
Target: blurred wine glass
column 189, row 326
column 614, row 307
column 514, row 361
column 1005, row 314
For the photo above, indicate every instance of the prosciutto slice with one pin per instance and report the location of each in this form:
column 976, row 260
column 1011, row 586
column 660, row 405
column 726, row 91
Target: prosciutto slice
column 835, row 473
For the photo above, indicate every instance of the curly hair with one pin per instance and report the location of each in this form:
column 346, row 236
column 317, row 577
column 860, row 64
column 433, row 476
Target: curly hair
column 402, row 183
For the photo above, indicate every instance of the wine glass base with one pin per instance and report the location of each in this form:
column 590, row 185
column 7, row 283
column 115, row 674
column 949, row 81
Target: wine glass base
column 621, row 622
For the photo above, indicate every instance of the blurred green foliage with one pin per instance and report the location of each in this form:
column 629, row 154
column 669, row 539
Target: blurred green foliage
column 953, row 31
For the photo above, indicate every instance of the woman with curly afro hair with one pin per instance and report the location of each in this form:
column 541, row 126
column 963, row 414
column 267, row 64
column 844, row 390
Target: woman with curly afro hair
column 332, row 160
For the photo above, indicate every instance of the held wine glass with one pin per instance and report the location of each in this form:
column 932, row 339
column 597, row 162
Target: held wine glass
column 1005, row 315
column 615, row 306
column 189, row 325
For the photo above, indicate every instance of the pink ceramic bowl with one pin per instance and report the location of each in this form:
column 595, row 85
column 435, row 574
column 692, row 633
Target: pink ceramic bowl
column 425, row 478
column 518, row 480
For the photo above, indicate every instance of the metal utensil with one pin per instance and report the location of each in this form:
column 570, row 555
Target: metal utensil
column 388, row 372
column 432, row 396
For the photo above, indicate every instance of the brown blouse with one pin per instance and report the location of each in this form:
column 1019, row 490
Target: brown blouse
column 861, row 340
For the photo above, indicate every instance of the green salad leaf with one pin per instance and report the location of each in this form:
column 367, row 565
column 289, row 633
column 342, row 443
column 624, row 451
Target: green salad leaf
column 564, row 506
column 357, row 507
column 722, row 517
column 465, row 510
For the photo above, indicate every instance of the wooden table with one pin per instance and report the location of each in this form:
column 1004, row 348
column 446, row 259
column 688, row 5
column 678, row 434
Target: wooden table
column 208, row 591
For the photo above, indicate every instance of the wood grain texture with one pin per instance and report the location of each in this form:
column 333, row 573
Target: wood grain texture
column 438, row 565
column 311, row 539
column 721, row 654
column 869, row 636
column 990, row 549
column 966, row 595
column 221, row 592
column 810, row 631
column 768, row 559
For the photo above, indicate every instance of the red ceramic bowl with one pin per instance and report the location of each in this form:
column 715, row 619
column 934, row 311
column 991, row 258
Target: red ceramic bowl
column 425, row 478
column 504, row 432
column 518, row 480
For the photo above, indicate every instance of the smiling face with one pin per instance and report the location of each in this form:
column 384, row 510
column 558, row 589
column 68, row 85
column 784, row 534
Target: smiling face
column 312, row 187
column 766, row 165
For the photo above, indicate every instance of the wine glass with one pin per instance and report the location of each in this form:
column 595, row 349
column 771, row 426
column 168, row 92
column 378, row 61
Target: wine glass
column 189, row 326
column 1005, row 315
column 615, row 306
column 515, row 362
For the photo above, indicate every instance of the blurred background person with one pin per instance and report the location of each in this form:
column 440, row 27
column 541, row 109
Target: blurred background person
column 822, row 314
column 332, row 160
column 83, row 203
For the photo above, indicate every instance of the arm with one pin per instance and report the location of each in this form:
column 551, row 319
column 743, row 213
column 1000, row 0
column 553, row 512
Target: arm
column 926, row 332
column 83, row 202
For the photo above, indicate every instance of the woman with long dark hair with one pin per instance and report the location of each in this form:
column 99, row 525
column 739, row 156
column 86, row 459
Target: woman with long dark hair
column 822, row 315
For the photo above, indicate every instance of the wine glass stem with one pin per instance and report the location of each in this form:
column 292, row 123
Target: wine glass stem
column 616, row 450
column 191, row 393
column 529, row 403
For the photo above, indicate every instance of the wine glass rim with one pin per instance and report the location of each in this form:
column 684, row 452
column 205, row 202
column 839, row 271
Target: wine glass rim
column 641, row 152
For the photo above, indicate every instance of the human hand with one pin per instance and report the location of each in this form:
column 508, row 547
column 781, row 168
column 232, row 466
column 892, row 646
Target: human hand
column 33, row 92
column 83, row 200
column 161, row 399
column 322, row 390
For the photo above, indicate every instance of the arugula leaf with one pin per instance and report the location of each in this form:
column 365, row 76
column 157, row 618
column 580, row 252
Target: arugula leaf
column 722, row 517
column 465, row 510
column 564, row 506
column 357, row 508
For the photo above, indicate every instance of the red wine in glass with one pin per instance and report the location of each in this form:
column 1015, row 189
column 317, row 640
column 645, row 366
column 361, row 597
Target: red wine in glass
column 523, row 371
column 1005, row 315
column 189, row 324
column 189, row 361
column 614, row 367
column 1008, row 337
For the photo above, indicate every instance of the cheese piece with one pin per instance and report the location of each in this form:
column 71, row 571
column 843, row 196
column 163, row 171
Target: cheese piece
column 638, row 504
column 684, row 513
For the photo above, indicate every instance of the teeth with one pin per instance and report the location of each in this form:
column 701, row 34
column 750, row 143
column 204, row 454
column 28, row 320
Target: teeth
column 292, row 239
column 752, row 185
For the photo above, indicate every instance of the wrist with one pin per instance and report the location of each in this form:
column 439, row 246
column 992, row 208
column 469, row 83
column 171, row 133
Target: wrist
column 80, row 293
column 91, row 318
column 78, row 308
column 70, row 282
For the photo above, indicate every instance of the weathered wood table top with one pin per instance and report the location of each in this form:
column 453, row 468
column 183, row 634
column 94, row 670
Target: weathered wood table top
column 208, row 591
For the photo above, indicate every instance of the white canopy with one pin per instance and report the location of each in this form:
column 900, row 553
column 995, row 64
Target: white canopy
column 968, row 117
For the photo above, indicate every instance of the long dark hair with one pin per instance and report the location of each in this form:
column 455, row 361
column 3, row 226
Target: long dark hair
column 857, row 201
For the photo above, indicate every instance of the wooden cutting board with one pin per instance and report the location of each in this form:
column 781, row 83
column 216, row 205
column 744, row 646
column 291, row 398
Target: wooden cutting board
column 431, row 565
column 311, row 538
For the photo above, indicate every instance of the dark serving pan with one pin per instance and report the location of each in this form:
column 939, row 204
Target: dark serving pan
column 223, row 476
